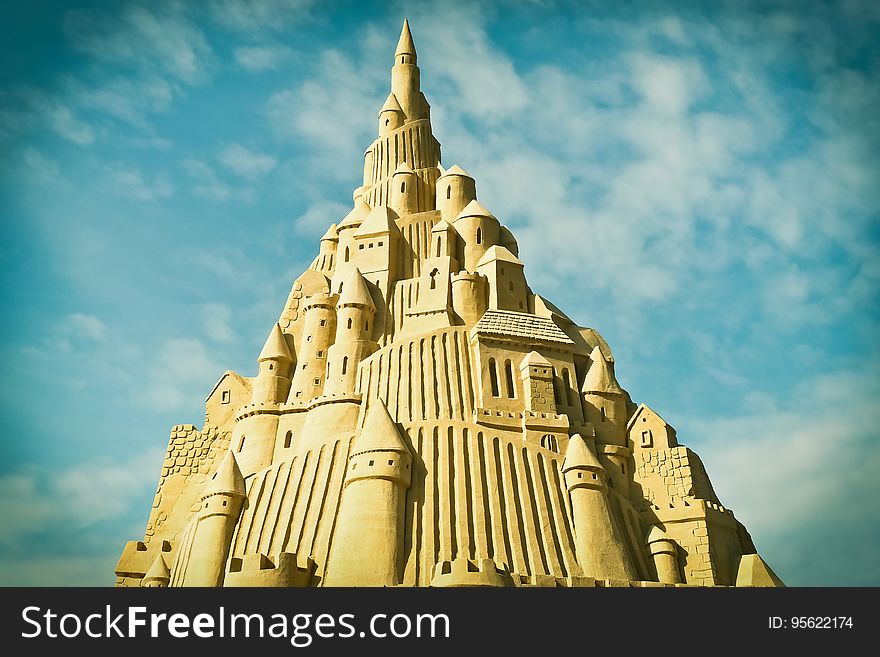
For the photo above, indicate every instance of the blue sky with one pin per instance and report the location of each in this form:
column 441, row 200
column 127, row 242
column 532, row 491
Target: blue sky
column 698, row 181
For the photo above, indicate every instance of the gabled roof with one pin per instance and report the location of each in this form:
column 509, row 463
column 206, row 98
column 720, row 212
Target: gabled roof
column 380, row 220
column 227, row 479
column 276, row 347
column 501, row 253
column 391, row 104
column 379, row 433
column 507, row 324
column 600, row 376
column 534, row 358
column 441, row 227
column 355, row 292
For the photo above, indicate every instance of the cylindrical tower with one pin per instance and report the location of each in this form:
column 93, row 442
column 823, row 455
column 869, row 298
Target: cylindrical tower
column 455, row 189
column 604, row 401
column 221, row 503
column 319, row 326
column 598, row 547
column 664, row 551
column 478, row 229
column 405, row 190
column 470, row 296
column 367, row 543
column 355, row 314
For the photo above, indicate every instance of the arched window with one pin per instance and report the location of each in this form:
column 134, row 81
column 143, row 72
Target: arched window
column 366, row 326
column 287, row 438
column 344, row 364
column 349, row 322
column 340, row 288
column 567, row 383
column 402, row 187
column 556, row 396
column 508, row 374
column 387, row 121
column 271, row 366
column 346, row 254
column 493, row 377
column 449, row 192
column 439, row 245
column 241, row 444
column 549, row 442
column 479, row 235
column 602, row 414
column 433, row 275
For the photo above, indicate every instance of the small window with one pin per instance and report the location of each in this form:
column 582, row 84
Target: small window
column 304, row 366
column 493, row 377
column 349, row 322
column 241, row 444
column 566, row 381
column 402, row 187
column 390, row 461
column 370, row 245
column 346, row 254
column 317, row 381
column 439, row 245
column 320, row 353
column 360, row 246
column 480, row 236
column 371, row 463
column 548, row 441
column 271, row 366
column 380, row 244
column 344, row 364
column 225, row 397
column 449, row 192
column 323, row 322
column 647, row 439
column 225, row 502
column 309, row 339
column 299, row 394
column 366, row 326
column 508, row 375
column 387, row 121
column 602, row 414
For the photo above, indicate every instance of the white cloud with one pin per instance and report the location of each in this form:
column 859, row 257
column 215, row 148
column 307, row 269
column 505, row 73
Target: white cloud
column 160, row 39
column 247, row 163
column 182, row 370
column 216, row 318
column 125, row 99
column 254, row 16
column 130, row 183
column 313, row 223
column 86, row 326
column 261, row 58
column 44, row 168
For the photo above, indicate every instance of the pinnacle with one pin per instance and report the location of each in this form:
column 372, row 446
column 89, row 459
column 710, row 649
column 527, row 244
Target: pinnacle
column 355, row 292
column 275, row 347
column 331, row 234
column 227, row 479
column 158, row 569
column 391, row 104
column 455, row 170
column 405, row 45
column 579, row 454
column 600, row 377
column 379, row 432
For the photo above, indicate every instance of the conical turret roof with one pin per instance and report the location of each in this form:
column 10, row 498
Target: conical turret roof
column 441, row 226
column 355, row 292
column 391, row 104
column 379, row 433
column 158, row 569
column 403, row 167
column 579, row 455
column 474, row 209
column 600, row 376
column 455, row 170
column 227, row 479
column 331, row 234
column 405, row 45
column 534, row 358
column 357, row 215
column 276, row 347
column 656, row 534
column 380, row 220
column 498, row 253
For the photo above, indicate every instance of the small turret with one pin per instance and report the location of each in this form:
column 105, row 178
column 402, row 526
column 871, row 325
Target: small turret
column 329, row 240
column 355, row 314
column 367, row 544
column 405, row 83
column 404, row 190
column 455, row 189
column 478, row 229
column 664, row 551
column 391, row 116
column 406, row 49
column 508, row 289
column 221, row 503
column 598, row 547
column 158, row 576
column 273, row 380
column 604, row 400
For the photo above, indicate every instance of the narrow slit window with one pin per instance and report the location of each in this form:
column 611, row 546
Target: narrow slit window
column 508, row 374
column 344, row 364
column 566, row 381
column 493, row 377
column 479, row 235
column 288, row 437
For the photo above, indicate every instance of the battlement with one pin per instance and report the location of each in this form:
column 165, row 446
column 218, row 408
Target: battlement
column 281, row 571
column 471, row 573
column 259, row 408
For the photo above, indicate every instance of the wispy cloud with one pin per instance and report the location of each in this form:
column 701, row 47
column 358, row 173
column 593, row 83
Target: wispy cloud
column 256, row 16
column 245, row 162
column 182, row 370
column 160, row 39
column 131, row 183
column 257, row 59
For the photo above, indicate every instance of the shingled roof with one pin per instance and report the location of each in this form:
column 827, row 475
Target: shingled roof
column 506, row 323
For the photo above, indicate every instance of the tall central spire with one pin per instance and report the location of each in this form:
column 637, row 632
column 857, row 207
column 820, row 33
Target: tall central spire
column 405, row 135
